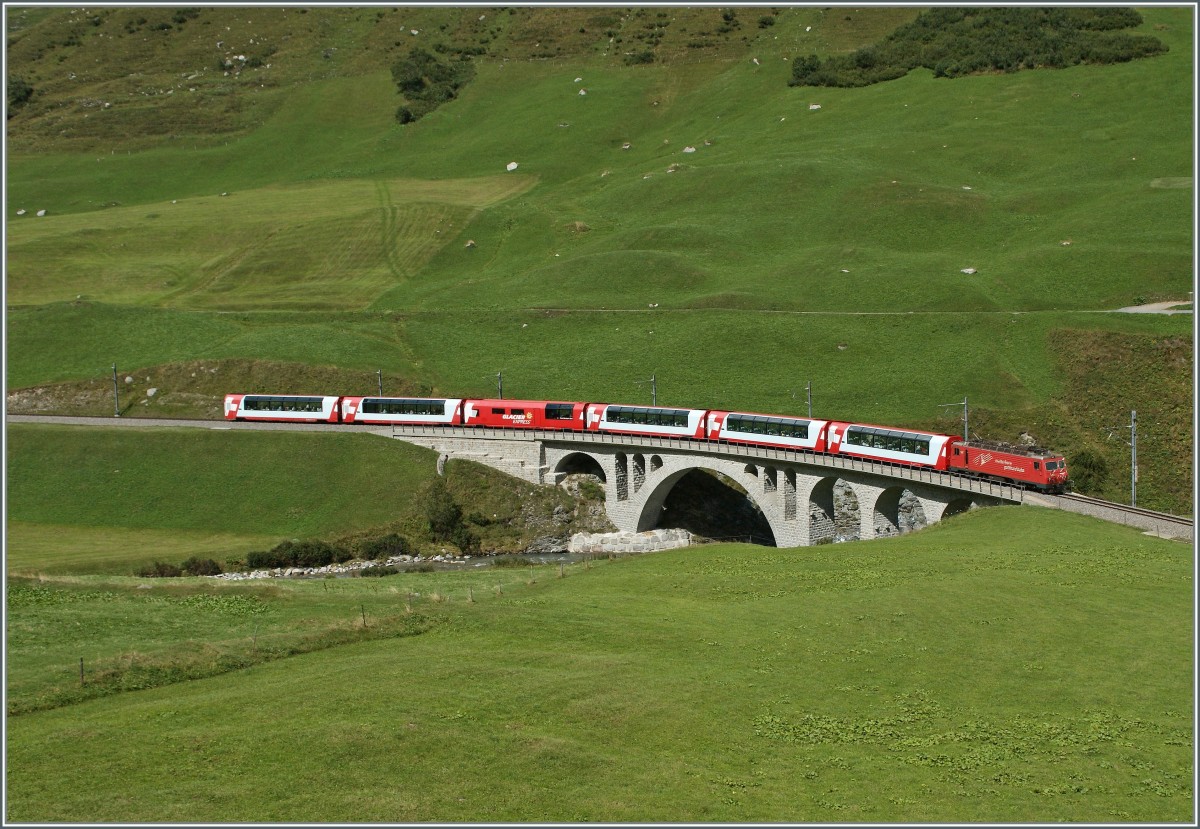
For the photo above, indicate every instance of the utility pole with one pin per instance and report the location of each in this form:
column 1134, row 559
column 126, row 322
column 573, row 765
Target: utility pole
column 500, row 384
column 808, row 394
column 653, row 390
column 1133, row 476
column 116, row 395
column 1133, row 458
column 379, row 373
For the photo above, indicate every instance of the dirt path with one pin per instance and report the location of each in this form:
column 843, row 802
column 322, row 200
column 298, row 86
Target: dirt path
column 1157, row 308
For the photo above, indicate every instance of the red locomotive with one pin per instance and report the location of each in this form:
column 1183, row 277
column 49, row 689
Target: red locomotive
column 1025, row 466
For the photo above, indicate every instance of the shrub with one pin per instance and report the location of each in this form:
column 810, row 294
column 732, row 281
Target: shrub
column 1088, row 471
column 195, row 566
column 442, row 512
column 298, row 554
column 591, row 491
column 378, row 571
column 386, row 547
column 159, row 570
column 425, row 82
column 465, row 540
column 962, row 41
column 19, row 93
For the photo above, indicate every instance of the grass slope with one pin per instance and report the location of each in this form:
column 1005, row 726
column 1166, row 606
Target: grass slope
column 120, row 493
column 1065, row 190
column 1060, row 377
column 976, row 671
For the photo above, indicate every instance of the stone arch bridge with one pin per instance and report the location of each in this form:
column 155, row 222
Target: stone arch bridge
column 794, row 490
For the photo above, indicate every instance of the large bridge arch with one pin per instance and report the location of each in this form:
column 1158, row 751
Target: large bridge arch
column 748, row 515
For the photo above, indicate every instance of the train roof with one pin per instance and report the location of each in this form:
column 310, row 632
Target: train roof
column 1012, row 449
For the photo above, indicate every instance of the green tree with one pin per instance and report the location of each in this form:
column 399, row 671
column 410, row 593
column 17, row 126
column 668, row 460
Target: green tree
column 442, row 511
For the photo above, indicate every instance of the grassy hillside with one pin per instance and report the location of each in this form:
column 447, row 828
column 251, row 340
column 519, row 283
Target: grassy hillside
column 228, row 493
column 291, row 221
column 976, row 671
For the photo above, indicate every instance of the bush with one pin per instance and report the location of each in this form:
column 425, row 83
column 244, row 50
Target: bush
column 591, row 491
column 298, row 554
column 378, row 571
column 465, row 540
column 1088, row 471
column 19, row 93
column 159, row 570
column 201, row 567
column 386, row 547
column 441, row 511
column 425, row 82
column 961, row 41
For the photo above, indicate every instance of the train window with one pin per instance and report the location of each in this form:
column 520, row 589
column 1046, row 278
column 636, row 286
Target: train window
column 520, row 412
column 1037, row 465
column 957, row 451
column 1051, row 466
column 498, row 411
column 559, row 411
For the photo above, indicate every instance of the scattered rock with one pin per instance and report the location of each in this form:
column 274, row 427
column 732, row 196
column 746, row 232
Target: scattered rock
column 627, row 542
column 968, row 270
column 512, row 165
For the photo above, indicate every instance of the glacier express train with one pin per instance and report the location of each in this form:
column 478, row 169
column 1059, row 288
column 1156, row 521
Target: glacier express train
column 1025, row 466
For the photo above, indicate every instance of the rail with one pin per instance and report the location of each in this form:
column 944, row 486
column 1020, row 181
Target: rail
column 948, row 480
column 1161, row 523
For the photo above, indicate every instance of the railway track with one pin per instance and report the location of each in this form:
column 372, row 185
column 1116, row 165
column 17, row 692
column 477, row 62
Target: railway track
column 1159, row 523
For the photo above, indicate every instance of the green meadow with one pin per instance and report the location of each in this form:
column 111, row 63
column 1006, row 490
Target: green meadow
column 1009, row 665
column 263, row 223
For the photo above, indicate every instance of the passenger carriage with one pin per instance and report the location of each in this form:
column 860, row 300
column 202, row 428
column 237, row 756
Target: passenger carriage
column 524, row 414
column 889, row 445
column 647, row 420
column 768, row 430
column 433, row 411
column 284, row 407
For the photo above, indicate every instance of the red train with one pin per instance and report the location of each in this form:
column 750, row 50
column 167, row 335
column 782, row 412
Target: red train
column 1033, row 467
